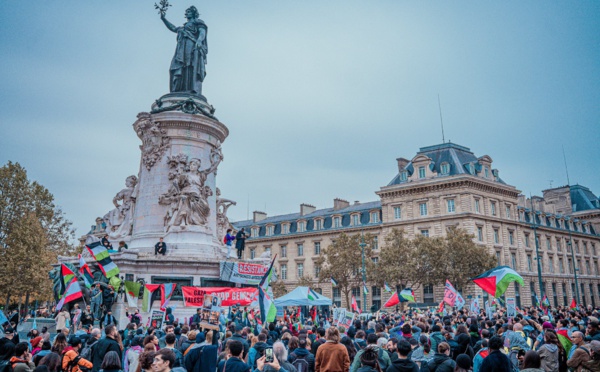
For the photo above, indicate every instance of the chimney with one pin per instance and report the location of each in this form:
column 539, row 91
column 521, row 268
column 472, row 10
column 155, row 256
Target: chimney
column 356, row 202
column 306, row 209
column 258, row 216
column 340, row 204
column 402, row 163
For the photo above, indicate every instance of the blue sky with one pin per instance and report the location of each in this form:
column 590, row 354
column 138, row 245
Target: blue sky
column 320, row 97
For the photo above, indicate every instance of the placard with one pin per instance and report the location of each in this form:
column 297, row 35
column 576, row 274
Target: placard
column 194, row 296
column 511, row 307
column 242, row 272
column 157, row 318
column 211, row 309
column 347, row 320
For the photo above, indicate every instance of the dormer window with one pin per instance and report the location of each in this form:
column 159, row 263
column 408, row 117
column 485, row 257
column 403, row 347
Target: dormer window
column 319, row 224
column 301, row 226
column 285, row 228
column 421, row 172
column 403, row 176
column 270, row 230
column 355, row 220
column 337, row 222
column 445, row 168
column 486, row 172
column 471, row 168
column 374, row 217
column 255, row 232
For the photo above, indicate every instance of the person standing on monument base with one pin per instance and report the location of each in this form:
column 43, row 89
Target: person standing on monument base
column 160, row 247
column 240, row 242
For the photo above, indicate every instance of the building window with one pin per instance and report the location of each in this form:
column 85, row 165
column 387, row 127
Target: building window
column 300, row 250
column 425, row 233
column 583, row 298
column 496, row 236
column 508, row 211
column 511, row 238
column 336, row 222
column 570, row 264
column 593, row 249
column 551, row 264
column 300, row 270
column 356, row 293
column 375, row 260
column 596, row 267
column 565, row 297
column 375, row 243
column 269, row 230
column 286, row 228
column 493, row 208
column 487, row 172
column 513, row 259
column 376, row 296
column 428, row 294
column 301, row 226
column 529, row 263
column 532, row 290
column 317, row 271
column 423, row 209
column 403, row 176
column 254, row 232
column 585, row 250
column 284, row 272
column 558, row 246
column 317, row 248
column 445, row 168
column 592, row 297
column 561, row 265
column 527, row 240
column 499, row 257
column 374, row 217
column 252, row 254
column 480, row 233
column 355, row 220
column 337, row 297
column 548, row 245
column 318, row 224
column 283, row 251
column 397, row 213
column 587, row 267
column 421, row 172
column 554, row 294
column 476, row 205
column 451, row 208
column 517, row 295
column 268, row 250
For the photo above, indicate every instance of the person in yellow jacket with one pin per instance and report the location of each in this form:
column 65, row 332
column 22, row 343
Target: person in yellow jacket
column 71, row 360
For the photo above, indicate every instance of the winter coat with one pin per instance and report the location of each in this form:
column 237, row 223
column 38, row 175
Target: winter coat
column 132, row 358
column 383, row 358
column 233, row 365
column 20, row 365
column 591, row 366
column 549, row 355
column 496, row 361
column 69, row 357
column 579, row 356
column 332, row 357
column 441, row 363
column 101, row 348
column 303, row 354
column 256, row 352
column 61, row 320
column 435, row 338
column 403, row 365
column 201, row 359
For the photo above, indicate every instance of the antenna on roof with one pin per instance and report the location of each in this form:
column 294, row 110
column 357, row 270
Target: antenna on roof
column 441, row 120
column 566, row 168
column 248, row 208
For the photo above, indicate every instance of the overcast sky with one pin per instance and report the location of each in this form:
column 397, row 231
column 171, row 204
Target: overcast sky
column 320, row 97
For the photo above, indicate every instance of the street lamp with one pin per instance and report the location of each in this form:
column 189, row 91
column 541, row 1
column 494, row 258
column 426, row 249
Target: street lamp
column 364, row 271
column 575, row 269
column 537, row 251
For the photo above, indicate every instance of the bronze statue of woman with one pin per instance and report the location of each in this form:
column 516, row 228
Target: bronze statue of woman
column 188, row 67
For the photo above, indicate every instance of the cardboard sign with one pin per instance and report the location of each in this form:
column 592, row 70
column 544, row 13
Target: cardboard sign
column 511, row 307
column 157, row 318
column 211, row 309
column 347, row 320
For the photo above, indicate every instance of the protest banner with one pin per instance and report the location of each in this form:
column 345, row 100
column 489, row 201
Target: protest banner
column 488, row 310
column 347, row 320
column 194, row 296
column 280, row 312
column 157, row 318
column 241, row 272
column 211, row 308
column 336, row 315
column 511, row 307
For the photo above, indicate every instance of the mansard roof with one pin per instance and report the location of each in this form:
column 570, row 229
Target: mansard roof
column 456, row 156
column 583, row 198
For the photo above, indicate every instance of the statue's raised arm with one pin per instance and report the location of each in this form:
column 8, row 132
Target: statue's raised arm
column 169, row 25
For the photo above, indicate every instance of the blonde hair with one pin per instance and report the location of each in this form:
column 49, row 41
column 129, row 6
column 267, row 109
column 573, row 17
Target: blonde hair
column 443, row 347
column 332, row 335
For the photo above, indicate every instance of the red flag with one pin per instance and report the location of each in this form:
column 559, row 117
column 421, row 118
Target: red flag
column 355, row 305
column 573, row 304
column 394, row 300
column 441, row 308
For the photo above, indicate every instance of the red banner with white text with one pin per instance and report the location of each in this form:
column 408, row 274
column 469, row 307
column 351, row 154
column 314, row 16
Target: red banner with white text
column 194, row 296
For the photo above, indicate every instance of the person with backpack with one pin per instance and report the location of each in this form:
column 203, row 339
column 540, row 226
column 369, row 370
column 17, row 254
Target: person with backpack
column 436, row 337
column 22, row 361
column 257, row 350
column 441, row 361
column 579, row 352
column 552, row 353
column 301, row 358
column 383, row 357
column 71, row 360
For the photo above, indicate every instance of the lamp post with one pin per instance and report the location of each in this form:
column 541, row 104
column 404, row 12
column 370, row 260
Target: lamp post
column 364, row 271
column 537, row 252
column 575, row 269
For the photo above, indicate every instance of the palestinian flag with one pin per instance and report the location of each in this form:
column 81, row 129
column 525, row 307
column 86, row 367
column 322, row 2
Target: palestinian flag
column 147, row 300
column 334, row 282
column 166, row 292
column 72, row 293
column 132, row 291
column 442, row 307
column 312, row 295
column 545, row 301
column 268, row 311
column 573, row 304
column 537, row 299
column 355, row 305
column 85, row 272
column 102, row 257
column 386, row 287
column 266, row 279
column 407, row 295
column 67, row 274
column 496, row 281
column 565, row 340
column 365, row 289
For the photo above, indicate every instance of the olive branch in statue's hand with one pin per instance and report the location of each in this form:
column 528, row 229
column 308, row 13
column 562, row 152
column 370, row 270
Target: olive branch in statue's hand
column 162, row 7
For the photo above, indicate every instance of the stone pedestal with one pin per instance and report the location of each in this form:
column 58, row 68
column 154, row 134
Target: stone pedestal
column 176, row 192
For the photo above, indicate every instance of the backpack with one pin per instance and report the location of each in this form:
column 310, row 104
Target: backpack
column 301, row 364
column 562, row 361
column 71, row 363
column 5, row 366
column 86, row 352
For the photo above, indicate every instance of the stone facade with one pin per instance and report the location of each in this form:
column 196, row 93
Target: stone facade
column 442, row 186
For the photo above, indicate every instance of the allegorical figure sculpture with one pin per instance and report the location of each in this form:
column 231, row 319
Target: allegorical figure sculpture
column 120, row 220
column 188, row 67
column 187, row 197
column 222, row 221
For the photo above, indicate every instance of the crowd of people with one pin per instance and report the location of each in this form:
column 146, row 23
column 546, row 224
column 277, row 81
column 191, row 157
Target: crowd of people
column 558, row 340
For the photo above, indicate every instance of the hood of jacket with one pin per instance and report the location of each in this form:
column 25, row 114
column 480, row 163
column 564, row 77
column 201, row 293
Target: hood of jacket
column 551, row 348
column 402, row 365
column 301, row 352
column 260, row 346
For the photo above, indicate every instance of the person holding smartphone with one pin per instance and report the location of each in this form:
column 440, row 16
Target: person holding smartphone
column 22, row 361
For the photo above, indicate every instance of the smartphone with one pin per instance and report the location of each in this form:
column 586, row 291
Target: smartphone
column 268, row 355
